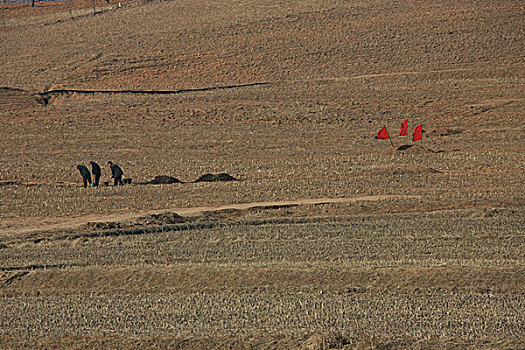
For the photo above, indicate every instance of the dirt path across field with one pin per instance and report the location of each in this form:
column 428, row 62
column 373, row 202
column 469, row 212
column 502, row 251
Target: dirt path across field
column 68, row 223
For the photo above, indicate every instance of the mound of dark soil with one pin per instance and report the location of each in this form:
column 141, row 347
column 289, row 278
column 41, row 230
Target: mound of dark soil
column 404, row 147
column 215, row 177
column 163, row 180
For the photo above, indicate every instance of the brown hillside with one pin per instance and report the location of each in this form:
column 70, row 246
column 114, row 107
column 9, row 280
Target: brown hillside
column 331, row 240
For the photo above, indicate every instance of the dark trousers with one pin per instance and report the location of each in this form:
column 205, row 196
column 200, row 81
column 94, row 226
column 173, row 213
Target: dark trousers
column 118, row 181
column 87, row 180
column 97, row 179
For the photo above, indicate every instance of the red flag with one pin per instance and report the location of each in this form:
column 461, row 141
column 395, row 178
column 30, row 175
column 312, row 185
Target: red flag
column 417, row 133
column 403, row 131
column 383, row 134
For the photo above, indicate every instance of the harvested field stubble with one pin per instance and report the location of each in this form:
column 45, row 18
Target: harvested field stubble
column 485, row 237
column 413, row 317
column 288, row 279
column 287, row 97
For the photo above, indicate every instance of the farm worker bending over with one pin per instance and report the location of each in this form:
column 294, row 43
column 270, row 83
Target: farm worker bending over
column 86, row 175
column 116, row 174
column 95, row 169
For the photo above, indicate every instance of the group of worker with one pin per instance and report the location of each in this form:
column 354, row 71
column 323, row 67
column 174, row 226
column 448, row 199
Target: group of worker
column 116, row 174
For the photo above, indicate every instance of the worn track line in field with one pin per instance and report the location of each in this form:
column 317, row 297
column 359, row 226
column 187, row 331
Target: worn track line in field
column 66, row 223
column 380, row 75
column 262, row 205
column 46, row 96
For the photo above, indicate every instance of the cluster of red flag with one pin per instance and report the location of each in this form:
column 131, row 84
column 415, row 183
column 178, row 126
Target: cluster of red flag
column 403, row 131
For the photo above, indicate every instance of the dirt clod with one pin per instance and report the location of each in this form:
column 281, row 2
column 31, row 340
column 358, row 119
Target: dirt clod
column 315, row 342
column 415, row 149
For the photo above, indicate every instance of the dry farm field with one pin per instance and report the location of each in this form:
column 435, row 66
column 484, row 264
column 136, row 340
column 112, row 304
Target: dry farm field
column 323, row 237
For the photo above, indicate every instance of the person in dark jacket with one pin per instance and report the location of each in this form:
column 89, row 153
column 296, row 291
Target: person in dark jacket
column 86, row 175
column 116, row 174
column 95, row 169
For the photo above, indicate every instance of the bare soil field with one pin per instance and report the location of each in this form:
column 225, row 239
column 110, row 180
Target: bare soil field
column 262, row 213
